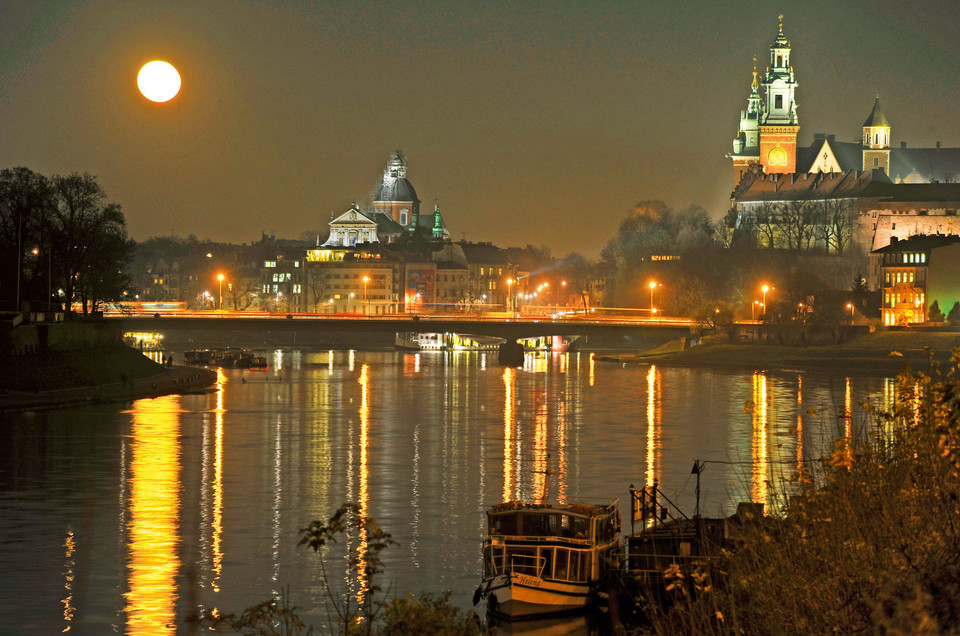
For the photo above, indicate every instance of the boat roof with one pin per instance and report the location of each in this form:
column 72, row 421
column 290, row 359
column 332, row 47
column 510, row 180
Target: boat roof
column 576, row 508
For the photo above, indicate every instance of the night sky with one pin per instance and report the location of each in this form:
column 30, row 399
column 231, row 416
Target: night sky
column 529, row 122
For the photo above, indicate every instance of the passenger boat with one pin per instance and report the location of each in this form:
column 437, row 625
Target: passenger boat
column 446, row 342
column 541, row 559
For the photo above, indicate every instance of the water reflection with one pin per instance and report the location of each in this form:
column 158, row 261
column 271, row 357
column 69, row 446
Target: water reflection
column 363, row 498
column 69, row 546
column 653, row 427
column 421, row 442
column 153, row 532
column 511, row 490
column 759, row 493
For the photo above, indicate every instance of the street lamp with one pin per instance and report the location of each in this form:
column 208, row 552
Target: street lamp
column 765, row 289
column 366, row 279
column 850, row 307
column 653, row 285
column 220, row 278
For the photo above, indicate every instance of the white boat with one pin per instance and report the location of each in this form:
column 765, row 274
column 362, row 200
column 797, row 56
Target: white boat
column 541, row 559
column 446, row 342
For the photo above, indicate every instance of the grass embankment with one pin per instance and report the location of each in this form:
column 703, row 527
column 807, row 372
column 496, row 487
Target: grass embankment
column 870, row 543
column 69, row 369
column 885, row 352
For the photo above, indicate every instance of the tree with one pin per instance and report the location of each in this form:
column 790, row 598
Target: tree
column 24, row 225
column 935, row 315
column 954, row 316
column 89, row 240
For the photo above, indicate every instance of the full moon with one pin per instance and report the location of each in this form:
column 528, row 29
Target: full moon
column 159, row 81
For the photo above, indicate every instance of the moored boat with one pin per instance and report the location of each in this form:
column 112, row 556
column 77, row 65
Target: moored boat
column 541, row 559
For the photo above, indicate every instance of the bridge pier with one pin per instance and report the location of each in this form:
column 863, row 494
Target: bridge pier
column 510, row 353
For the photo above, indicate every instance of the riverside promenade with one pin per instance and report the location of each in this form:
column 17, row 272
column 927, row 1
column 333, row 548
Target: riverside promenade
column 176, row 379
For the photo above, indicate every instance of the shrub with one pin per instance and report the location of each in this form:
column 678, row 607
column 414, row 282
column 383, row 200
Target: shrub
column 868, row 545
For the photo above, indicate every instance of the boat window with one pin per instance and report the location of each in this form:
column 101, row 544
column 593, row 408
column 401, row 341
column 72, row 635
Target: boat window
column 576, row 566
column 504, row 524
column 524, row 561
column 561, row 568
column 546, row 563
column 580, row 527
column 541, row 525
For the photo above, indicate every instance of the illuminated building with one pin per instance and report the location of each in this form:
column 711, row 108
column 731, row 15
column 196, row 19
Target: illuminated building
column 916, row 272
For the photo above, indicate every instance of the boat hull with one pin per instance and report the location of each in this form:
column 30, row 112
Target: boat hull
column 517, row 595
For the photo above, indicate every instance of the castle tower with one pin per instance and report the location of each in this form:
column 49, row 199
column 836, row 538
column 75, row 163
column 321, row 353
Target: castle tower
column 778, row 123
column 876, row 140
column 746, row 145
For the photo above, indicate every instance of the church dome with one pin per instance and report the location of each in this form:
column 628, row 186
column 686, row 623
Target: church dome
column 396, row 189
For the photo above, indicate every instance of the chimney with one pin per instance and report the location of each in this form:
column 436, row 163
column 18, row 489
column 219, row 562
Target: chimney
column 903, row 144
column 893, row 240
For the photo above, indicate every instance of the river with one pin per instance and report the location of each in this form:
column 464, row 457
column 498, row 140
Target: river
column 126, row 518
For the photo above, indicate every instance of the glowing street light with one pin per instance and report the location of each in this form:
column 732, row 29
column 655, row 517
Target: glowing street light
column 850, row 307
column 220, row 278
column 765, row 289
column 653, row 285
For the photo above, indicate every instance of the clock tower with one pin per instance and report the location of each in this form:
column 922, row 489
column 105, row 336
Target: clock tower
column 778, row 123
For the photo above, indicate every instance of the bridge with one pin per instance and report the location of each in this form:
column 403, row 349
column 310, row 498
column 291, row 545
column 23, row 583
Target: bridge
column 302, row 326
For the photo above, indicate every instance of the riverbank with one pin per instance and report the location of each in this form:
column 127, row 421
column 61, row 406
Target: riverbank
column 880, row 352
column 113, row 374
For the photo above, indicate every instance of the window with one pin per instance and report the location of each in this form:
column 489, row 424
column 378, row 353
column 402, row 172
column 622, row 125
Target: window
column 778, row 102
column 876, row 162
column 270, row 263
column 296, row 289
column 403, row 217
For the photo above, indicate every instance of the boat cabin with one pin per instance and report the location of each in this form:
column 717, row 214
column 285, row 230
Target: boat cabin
column 566, row 543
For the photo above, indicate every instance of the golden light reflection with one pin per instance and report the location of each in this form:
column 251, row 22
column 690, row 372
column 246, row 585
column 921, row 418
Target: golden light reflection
column 330, row 362
column 759, row 492
column 153, row 528
column 653, row 441
column 562, row 452
column 70, row 547
column 592, row 362
column 564, row 362
column 351, row 359
column 541, row 464
column 363, row 498
column 509, row 385
column 848, row 410
column 799, row 422
column 216, row 543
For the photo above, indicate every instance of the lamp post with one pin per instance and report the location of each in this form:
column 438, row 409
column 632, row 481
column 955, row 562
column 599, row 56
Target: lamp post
column 850, row 307
column 366, row 279
column 765, row 289
column 220, row 279
column 279, row 294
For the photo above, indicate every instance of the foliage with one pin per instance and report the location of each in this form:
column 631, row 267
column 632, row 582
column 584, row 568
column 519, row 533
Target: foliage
column 348, row 519
column 269, row 618
column 868, row 544
column 61, row 233
column 954, row 316
column 713, row 317
column 427, row 615
column 935, row 315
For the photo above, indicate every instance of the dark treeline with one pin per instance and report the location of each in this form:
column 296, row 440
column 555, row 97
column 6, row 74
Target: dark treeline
column 62, row 242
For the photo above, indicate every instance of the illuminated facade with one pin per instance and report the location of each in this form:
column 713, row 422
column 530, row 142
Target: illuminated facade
column 916, row 272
